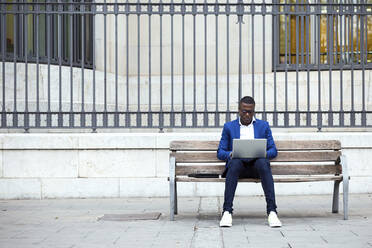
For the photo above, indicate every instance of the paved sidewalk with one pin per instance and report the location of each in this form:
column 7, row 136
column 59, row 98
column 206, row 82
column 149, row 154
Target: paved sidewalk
column 308, row 222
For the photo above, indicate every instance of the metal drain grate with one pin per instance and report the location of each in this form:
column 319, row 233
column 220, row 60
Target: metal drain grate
column 129, row 217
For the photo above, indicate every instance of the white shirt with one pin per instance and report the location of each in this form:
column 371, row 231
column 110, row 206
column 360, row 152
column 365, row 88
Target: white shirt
column 247, row 132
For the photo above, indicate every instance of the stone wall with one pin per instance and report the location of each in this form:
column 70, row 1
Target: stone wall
column 136, row 165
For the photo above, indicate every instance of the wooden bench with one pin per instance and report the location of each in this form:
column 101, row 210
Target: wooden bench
column 297, row 161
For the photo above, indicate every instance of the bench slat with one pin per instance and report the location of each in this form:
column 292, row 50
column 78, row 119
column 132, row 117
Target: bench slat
column 193, row 145
column 277, row 169
column 306, row 156
column 308, row 145
column 276, row 179
column 199, row 169
column 280, row 144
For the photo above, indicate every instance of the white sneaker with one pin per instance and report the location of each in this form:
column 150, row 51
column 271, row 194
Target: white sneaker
column 226, row 220
column 274, row 220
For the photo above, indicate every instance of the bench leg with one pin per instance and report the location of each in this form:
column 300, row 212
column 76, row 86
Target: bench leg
column 172, row 187
column 346, row 197
column 336, row 191
column 345, row 184
column 175, row 199
column 172, row 199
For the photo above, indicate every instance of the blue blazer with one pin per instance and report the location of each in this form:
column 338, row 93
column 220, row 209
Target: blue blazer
column 231, row 130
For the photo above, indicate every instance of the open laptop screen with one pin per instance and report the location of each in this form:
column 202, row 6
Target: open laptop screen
column 249, row 148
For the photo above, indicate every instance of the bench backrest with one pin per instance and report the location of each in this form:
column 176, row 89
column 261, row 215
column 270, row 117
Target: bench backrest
column 310, row 157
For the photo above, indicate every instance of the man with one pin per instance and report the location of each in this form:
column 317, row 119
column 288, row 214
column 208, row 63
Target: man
column 247, row 127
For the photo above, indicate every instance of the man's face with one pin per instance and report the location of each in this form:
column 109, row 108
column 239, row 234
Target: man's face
column 246, row 113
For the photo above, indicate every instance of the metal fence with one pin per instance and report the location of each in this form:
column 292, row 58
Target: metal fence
column 72, row 64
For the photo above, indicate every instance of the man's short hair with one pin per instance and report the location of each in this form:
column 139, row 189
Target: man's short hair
column 247, row 100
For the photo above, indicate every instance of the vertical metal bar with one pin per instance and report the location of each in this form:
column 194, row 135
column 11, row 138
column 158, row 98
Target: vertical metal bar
column 217, row 116
column 49, row 46
column 161, row 119
column 172, row 120
column 60, row 40
column 26, row 116
column 90, row 26
column 363, row 64
column 20, row 30
column 127, row 117
column 205, row 116
column 357, row 45
column 252, row 10
column 263, row 65
column 71, row 117
column 290, row 33
column 82, row 117
column 276, row 62
column 345, row 39
column 53, row 49
column 3, row 52
column 15, row 21
column 302, row 27
column 330, row 45
column 37, row 117
column 138, row 118
column 286, row 117
column 149, row 120
column 76, row 33
column 34, row 29
column 105, row 116
column 366, row 35
column 308, row 115
column 228, row 61
column 319, row 115
column 116, row 116
column 240, row 20
column 335, row 26
column 352, row 118
column 342, row 63
column 194, row 121
column 94, row 114
column 297, row 119
column 183, row 64
column 349, row 34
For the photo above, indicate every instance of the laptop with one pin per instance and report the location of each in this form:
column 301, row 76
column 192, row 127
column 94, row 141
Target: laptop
column 249, row 148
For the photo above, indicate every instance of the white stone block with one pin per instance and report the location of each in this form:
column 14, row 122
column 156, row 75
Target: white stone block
column 117, row 163
column 20, row 188
column 360, row 185
column 162, row 163
column 163, row 140
column 39, row 141
column 358, row 162
column 144, row 187
column 40, row 163
column 210, row 189
column 80, row 187
column 1, row 163
column 304, row 188
column 249, row 189
column 153, row 187
column 347, row 139
column 186, row 189
column 116, row 141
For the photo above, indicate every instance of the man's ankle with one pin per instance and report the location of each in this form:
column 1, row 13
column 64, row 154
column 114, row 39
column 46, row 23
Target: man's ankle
column 273, row 210
column 230, row 211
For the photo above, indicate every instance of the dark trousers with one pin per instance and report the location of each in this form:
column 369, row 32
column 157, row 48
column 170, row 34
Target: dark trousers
column 249, row 168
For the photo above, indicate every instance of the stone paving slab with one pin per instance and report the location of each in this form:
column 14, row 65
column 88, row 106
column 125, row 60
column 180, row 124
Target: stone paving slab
column 72, row 223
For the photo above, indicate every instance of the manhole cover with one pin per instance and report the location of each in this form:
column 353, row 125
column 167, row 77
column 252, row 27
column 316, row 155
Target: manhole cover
column 128, row 217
